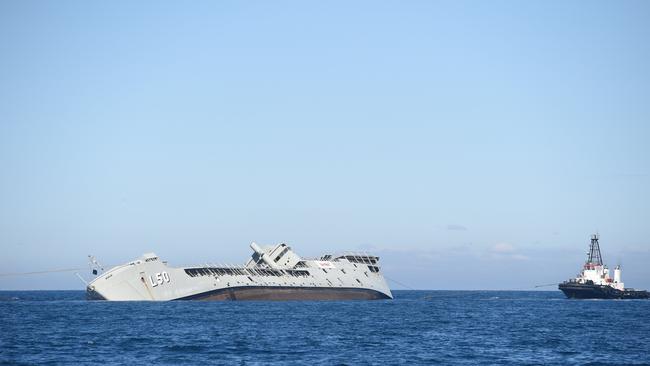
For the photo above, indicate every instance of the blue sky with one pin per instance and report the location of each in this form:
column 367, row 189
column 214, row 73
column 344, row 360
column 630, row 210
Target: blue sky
column 472, row 145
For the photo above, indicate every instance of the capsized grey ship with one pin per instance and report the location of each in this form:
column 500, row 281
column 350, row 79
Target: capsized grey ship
column 594, row 281
column 272, row 273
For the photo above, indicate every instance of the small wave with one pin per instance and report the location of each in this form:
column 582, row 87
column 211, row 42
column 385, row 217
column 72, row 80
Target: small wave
column 184, row 348
column 9, row 298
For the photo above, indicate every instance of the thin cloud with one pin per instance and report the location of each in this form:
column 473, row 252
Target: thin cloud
column 502, row 248
column 519, row 257
column 506, row 251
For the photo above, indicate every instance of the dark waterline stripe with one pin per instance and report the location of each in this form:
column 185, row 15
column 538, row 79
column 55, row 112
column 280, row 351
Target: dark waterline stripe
column 373, row 293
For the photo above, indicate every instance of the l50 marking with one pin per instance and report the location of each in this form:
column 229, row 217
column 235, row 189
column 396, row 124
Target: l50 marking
column 158, row 279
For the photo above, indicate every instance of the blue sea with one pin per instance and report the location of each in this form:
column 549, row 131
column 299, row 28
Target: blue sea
column 417, row 327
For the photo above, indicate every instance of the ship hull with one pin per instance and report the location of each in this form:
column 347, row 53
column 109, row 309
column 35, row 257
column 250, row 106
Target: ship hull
column 587, row 291
column 262, row 293
column 287, row 294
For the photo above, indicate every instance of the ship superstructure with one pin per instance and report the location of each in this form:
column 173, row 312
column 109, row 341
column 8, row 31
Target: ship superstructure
column 595, row 281
column 272, row 273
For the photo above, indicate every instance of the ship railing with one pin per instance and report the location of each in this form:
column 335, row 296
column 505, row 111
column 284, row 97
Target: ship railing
column 230, row 270
column 359, row 257
column 338, row 255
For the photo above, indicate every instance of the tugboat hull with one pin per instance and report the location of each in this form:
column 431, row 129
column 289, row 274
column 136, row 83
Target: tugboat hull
column 588, row 291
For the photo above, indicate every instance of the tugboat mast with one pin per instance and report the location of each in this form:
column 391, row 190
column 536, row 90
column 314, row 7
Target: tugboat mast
column 594, row 258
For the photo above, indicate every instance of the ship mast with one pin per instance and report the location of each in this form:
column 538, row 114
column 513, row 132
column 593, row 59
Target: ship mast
column 595, row 258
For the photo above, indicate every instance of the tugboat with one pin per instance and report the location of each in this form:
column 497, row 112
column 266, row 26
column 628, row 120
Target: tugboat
column 594, row 281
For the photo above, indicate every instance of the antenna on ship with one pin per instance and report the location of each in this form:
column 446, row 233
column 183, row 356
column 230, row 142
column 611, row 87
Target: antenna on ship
column 95, row 266
column 594, row 258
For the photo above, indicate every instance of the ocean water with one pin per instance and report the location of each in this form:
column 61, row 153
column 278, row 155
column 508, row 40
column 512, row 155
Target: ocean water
column 417, row 327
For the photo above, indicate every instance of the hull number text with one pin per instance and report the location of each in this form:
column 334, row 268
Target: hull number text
column 159, row 278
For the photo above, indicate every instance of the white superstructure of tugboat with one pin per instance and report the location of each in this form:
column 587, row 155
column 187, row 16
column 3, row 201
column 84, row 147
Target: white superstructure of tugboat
column 272, row 273
column 595, row 281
